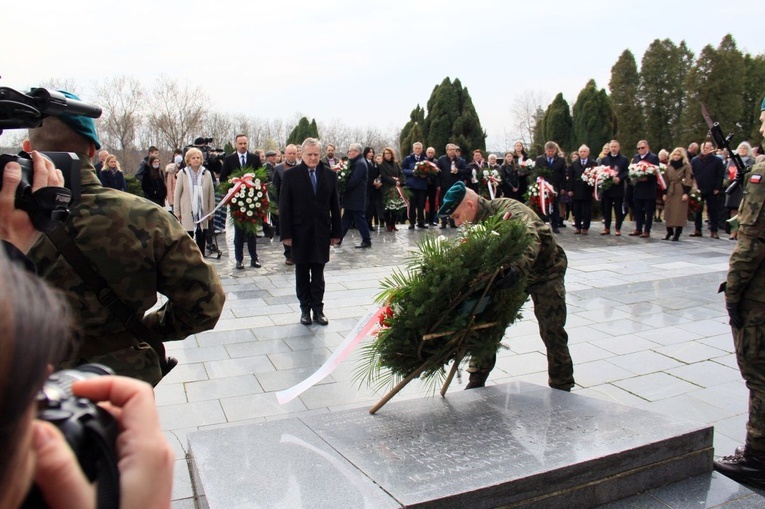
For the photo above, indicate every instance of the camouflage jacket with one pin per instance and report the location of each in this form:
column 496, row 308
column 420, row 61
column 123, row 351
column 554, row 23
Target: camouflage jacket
column 544, row 260
column 140, row 249
column 746, row 275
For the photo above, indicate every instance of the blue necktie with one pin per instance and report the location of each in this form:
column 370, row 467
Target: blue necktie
column 312, row 173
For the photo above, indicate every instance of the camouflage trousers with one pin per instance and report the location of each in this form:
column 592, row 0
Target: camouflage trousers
column 750, row 354
column 550, row 309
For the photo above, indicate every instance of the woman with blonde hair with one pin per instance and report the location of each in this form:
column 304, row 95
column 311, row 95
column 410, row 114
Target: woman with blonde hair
column 679, row 178
column 194, row 197
column 111, row 174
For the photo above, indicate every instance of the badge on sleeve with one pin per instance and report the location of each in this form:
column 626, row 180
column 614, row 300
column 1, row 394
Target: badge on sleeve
column 755, row 179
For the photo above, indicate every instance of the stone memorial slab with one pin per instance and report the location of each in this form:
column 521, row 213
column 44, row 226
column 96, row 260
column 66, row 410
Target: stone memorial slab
column 511, row 445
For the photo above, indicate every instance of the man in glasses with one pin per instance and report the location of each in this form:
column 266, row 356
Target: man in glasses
column 644, row 192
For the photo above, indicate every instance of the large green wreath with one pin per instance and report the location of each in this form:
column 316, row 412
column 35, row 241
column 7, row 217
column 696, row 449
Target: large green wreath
column 442, row 307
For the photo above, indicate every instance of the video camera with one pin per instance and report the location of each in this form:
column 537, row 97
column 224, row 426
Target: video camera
column 90, row 431
column 213, row 157
column 26, row 111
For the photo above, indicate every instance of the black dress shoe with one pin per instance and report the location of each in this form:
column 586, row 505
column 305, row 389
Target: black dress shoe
column 240, row 265
column 411, row 227
column 422, row 226
column 305, row 318
column 743, row 467
column 364, row 245
column 255, row 264
column 319, row 318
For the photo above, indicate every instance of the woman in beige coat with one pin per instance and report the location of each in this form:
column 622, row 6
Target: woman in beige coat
column 679, row 180
column 194, row 196
column 170, row 171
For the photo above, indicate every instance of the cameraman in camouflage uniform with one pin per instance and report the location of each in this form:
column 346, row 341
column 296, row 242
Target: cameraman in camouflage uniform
column 543, row 266
column 138, row 249
column 745, row 301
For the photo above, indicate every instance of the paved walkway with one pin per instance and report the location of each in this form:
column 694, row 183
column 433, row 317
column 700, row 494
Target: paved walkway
column 647, row 329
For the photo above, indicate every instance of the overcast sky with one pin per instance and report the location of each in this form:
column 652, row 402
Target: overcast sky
column 362, row 63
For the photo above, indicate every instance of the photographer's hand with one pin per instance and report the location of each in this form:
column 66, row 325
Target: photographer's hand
column 145, row 457
column 15, row 225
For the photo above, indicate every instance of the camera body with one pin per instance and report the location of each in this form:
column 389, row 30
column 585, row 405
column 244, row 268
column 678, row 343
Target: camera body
column 77, row 418
column 49, row 205
column 90, row 431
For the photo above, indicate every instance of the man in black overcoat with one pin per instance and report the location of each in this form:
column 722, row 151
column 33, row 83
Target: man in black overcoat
column 309, row 218
column 355, row 196
column 613, row 197
column 557, row 166
column 644, row 192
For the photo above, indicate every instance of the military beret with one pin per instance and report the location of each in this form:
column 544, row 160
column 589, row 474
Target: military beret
column 452, row 199
column 270, row 153
column 84, row 126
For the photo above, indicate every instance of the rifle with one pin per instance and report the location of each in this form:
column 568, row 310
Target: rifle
column 715, row 131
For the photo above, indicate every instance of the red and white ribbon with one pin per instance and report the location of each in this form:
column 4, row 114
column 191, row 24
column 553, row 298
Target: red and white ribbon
column 366, row 326
column 402, row 195
column 545, row 191
column 660, row 179
column 492, row 183
column 246, row 180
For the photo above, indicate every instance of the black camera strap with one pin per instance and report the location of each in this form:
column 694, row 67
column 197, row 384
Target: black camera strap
column 106, row 295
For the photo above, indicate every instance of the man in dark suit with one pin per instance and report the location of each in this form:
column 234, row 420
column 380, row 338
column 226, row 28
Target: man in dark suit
column 309, row 212
column 290, row 161
column 355, row 196
column 240, row 159
column 613, row 197
column 557, row 166
column 644, row 192
column 453, row 169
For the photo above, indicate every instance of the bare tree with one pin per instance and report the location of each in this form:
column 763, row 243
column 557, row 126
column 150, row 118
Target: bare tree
column 177, row 112
column 219, row 127
column 523, row 112
column 121, row 99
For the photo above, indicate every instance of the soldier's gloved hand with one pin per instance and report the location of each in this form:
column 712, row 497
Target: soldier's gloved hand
column 734, row 313
column 510, row 279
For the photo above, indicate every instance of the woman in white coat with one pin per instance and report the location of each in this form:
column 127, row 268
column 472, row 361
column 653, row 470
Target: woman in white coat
column 194, row 196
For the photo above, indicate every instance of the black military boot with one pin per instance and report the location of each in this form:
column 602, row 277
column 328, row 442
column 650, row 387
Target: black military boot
column 477, row 380
column 744, row 467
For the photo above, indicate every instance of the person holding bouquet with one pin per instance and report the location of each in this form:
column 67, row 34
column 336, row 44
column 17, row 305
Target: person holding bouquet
column 391, row 177
column 417, row 182
column 679, row 181
column 581, row 191
column 557, row 166
column 613, row 197
column 644, row 191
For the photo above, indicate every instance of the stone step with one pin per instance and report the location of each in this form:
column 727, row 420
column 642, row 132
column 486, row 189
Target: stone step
column 512, row 445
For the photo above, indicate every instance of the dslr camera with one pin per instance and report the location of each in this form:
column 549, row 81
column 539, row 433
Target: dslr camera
column 24, row 111
column 90, row 431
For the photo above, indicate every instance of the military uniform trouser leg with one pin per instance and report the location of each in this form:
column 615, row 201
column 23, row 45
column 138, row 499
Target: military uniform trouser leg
column 550, row 310
column 750, row 354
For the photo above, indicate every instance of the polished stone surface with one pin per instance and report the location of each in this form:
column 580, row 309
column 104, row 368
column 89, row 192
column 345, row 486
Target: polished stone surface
column 624, row 296
column 505, row 444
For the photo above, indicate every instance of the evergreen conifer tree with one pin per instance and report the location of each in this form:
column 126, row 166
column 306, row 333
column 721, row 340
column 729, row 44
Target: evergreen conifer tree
column 717, row 80
column 556, row 124
column 662, row 93
column 752, row 99
column 452, row 118
column 408, row 135
column 302, row 131
column 593, row 119
column 624, row 85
